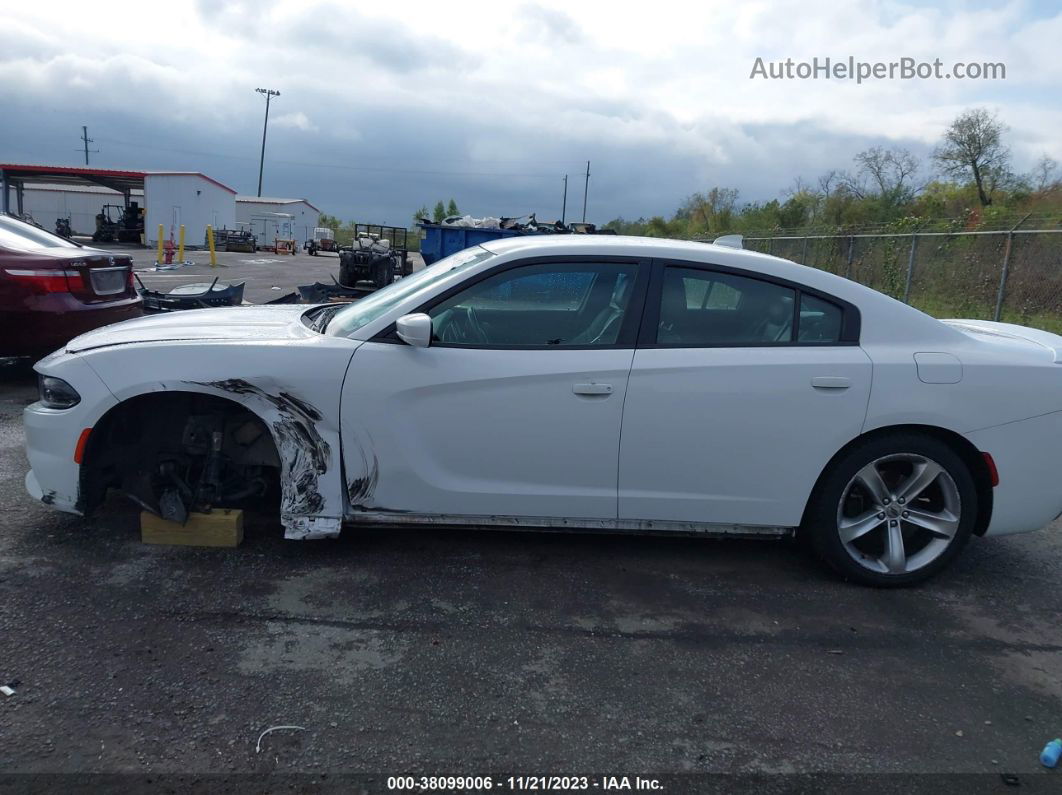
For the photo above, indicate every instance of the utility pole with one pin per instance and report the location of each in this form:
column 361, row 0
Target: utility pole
column 268, row 93
column 86, row 140
column 564, row 206
column 586, row 187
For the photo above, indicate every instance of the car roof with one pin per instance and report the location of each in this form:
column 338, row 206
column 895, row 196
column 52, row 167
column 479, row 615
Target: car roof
column 665, row 248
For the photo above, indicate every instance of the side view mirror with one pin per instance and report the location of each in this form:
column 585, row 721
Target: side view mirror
column 414, row 330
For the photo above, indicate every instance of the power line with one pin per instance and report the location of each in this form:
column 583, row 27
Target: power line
column 86, row 140
column 586, row 189
column 269, row 94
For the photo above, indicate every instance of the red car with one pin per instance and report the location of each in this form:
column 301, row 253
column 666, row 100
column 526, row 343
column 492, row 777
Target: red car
column 52, row 289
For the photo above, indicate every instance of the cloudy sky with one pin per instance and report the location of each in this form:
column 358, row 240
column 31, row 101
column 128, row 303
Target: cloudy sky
column 388, row 106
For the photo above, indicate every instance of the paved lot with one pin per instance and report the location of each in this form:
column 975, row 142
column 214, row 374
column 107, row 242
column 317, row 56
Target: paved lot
column 468, row 652
column 267, row 276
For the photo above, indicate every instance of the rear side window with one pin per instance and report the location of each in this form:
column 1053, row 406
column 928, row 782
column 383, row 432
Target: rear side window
column 706, row 308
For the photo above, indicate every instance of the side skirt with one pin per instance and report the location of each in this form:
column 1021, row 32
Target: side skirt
column 569, row 524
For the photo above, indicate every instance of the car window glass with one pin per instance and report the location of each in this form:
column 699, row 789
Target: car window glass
column 551, row 304
column 820, row 321
column 707, row 308
column 360, row 313
column 26, row 237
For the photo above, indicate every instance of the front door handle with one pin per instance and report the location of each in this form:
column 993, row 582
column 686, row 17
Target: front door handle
column 830, row 382
column 592, row 389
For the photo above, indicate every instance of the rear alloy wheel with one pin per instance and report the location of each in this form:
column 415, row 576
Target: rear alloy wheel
column 894, row 512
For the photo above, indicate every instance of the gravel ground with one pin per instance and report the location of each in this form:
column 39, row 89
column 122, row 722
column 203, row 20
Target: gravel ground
column 469, row 652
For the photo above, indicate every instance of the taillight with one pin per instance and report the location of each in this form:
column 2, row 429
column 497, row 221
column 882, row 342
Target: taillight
column 47, row 281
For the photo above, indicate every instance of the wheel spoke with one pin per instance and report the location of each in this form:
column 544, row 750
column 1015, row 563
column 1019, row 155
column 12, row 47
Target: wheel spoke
column 858, row 526
column 942, row 525
column 895, row 558
column 923, row 475
column 871, row 478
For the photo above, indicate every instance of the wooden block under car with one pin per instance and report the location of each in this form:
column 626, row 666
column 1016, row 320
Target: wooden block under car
column 220, row 528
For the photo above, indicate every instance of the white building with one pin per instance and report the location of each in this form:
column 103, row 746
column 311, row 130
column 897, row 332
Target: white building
column 171, row 198
column 190, row 198
column 266, row 217
column 79, row 203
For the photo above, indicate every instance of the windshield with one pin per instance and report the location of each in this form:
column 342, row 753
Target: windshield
column 348, row 320
column 27, row 237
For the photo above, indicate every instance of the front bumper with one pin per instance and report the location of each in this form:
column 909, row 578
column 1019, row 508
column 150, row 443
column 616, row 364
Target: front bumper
column 52, row 434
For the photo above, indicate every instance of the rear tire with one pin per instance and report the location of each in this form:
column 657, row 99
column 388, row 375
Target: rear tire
column 892, row 511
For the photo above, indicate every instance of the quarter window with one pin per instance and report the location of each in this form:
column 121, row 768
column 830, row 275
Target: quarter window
column 562, row 305
column 820, row 321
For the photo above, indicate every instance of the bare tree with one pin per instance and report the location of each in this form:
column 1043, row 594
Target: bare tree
column 828, row 181
column 891, row 170
column 973, row 147
column 1043, row 173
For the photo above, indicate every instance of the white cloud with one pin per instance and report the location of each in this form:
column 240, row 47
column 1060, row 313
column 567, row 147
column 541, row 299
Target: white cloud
column 296, row 121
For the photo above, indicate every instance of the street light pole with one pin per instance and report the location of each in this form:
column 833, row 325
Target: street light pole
column 269, row 94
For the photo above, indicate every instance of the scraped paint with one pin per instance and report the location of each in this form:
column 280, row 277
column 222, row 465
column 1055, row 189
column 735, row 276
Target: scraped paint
column 305, row 456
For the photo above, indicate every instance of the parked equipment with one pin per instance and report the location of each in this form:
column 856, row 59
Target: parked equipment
column 62, row 228
column 283, row 245
column 235, row 240
column 323, row 240
column 377, row 255
column 117, row 224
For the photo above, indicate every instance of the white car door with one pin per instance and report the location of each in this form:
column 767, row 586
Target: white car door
column 742, row 389
column 514, row 410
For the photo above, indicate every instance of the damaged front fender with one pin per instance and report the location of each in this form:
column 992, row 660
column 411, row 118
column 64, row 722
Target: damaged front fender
column 308, row 446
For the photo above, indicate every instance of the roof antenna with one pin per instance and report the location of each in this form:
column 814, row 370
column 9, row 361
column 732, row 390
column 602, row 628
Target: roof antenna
column 730, row 241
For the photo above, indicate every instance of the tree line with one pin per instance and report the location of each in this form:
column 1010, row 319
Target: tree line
column 970, row 182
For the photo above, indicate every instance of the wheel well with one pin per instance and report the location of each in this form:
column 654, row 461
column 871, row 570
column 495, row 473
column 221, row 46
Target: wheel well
column 129, row 440
column 962, row 446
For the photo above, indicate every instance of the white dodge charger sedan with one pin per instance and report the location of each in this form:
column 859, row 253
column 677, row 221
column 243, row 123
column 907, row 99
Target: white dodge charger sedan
column 598, row 382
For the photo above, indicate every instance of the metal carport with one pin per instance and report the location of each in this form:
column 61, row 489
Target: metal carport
column 17, row 176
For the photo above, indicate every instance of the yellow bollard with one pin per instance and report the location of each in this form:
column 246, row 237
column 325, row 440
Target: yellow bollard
column 210, row 244
column 158, row 257
column 180, row 244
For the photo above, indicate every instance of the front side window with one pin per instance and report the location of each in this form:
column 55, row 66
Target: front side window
column 706, row 308
column 552, row 304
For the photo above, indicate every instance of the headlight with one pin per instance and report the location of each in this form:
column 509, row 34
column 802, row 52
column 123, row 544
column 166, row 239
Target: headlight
column 56, row 393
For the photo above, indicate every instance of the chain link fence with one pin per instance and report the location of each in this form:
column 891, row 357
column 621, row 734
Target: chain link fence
column 1013, row 276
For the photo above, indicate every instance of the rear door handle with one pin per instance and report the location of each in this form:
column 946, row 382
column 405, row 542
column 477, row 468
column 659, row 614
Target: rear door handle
column 592, row 389
column 830, row 382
